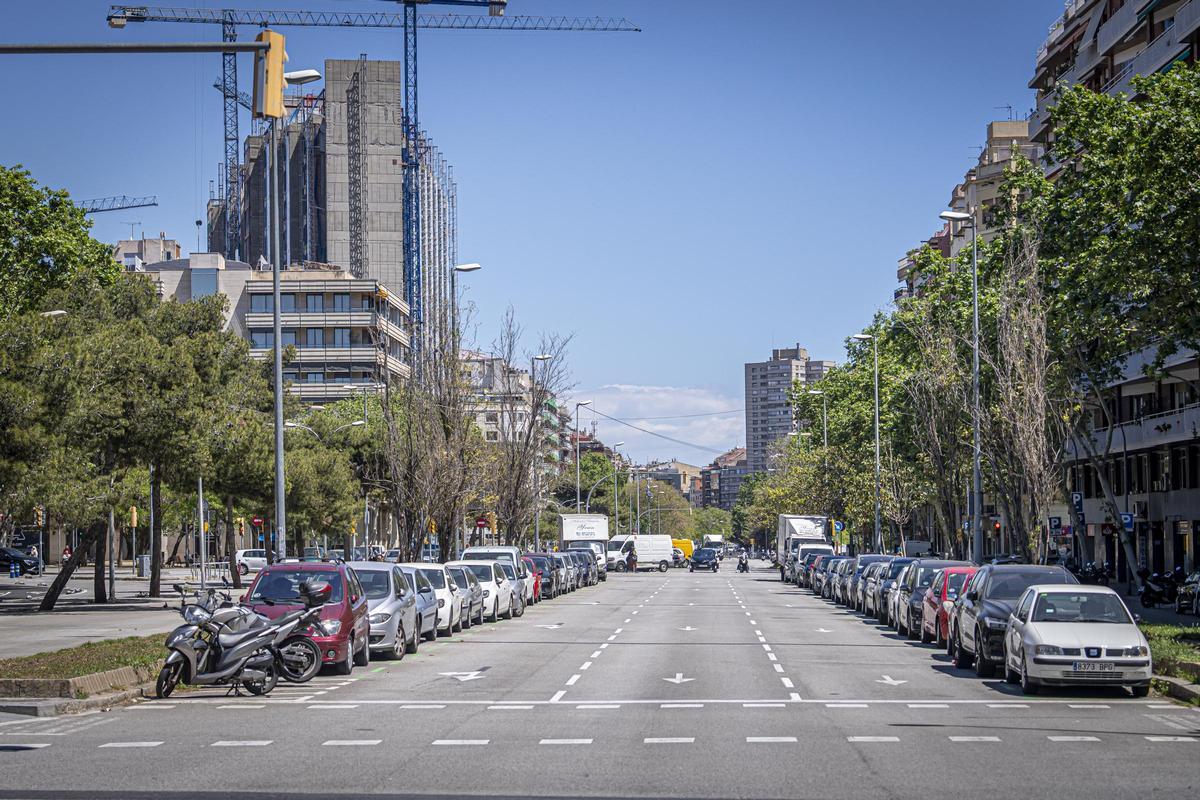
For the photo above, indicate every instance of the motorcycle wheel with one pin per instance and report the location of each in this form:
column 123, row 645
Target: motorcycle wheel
column 304, row 653
column 1147, row 601
column 168, row 679
column 265, row 685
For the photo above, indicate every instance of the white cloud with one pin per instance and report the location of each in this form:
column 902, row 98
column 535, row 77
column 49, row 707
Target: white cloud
column 713, row 433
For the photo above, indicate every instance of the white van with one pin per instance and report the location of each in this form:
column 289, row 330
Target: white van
column 653, row 552
column 503, row 553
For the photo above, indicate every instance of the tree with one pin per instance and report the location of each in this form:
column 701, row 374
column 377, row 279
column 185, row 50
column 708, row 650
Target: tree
column 711, row 521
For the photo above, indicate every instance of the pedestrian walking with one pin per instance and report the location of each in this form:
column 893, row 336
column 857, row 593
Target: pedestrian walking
column 631, row 560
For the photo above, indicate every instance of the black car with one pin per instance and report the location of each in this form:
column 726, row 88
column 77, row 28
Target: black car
column 1187, row 599
column 25, row 563
column 825, row 574
column 852, row 585
column 704, row 558
column 884, row 582
column 912, row 593
column 977, row 630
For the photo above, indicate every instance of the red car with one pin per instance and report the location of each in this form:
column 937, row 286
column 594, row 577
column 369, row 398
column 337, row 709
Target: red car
column 935, row 608
column 536, row 573
column 344, row 630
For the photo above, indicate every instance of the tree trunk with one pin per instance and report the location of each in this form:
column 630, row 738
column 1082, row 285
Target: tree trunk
column 99, row 588
column 64, row 575
column 155, row 533
column 231, row 543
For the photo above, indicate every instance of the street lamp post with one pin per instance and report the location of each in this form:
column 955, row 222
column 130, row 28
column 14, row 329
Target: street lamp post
column 454, row 299
column 862, row 337
column 616, row 495
column 537, row 456
column 976, row 476
column 579, row 505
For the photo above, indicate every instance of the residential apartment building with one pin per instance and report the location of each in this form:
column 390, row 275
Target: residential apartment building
column 680, row 476
column 1153, row 461
column 721, row 480
column 133, row 253
column 768, row 409
column 350, row 334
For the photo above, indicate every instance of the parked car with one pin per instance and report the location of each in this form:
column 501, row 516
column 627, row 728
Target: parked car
column 550, row 574
column 247, row 560
column 936, row 605
column 518, row 588
column 392, row 555
column 309, row 554
column 811, row 570
column 449, row 601
column 587, row 566
column 801, row 570
column 427, row 601
column 391, row 607
column 1075, row 635
column 917, row 580
column 982, row 617
column 570, row 572
column 866, row 581
column 535, row 578
column 853, row 590
column 678, row 559
column 885, row 581
column 345, row 632
column 819, row 568
column 1187, row 596
column 828, row 575
column 499, row 595
column 891, row 597
column 472, row 595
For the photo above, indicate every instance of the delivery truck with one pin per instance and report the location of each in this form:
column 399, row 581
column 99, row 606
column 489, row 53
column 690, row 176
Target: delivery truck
column 797, row 536
column 586, row 532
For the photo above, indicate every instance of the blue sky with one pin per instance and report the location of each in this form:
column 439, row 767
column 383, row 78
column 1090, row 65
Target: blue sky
column 735, row 177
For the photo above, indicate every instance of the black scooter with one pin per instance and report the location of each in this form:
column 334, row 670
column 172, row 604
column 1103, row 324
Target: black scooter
column 204, row 652
column 1157, row 588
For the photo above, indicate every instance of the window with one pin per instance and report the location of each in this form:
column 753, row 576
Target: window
column 262, row 339
column 341, row 337
column 314, row 377
column 261, row 303
column 400, row 581
column 1023, row 610
column 314, row 302
column 290, row 376
column 288, row 336
column 287, row 303
column 314, row 337
column 341, row 302
column 204, row 282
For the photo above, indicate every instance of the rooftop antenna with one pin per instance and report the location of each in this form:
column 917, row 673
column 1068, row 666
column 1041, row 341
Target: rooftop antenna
column 1010, row 111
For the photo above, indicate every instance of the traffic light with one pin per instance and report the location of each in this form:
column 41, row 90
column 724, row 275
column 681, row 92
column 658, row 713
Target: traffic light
column 268, row 76
column 133, row 516
column 39, row 516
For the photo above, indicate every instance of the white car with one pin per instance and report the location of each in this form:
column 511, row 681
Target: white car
column 250, row 560
column 523, row 588
column 499, row 593
column 449, row 598
column 1075, row 635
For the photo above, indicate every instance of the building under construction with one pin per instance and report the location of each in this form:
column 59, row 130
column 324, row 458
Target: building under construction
column 341, row 180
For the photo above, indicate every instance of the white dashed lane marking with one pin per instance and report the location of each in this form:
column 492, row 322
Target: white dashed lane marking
column 872, row 739
column 571, row 680
column 1073, row 738
column 351, row 742
column 565, row 741
column 770, row 739
column 974, row 738
column 131, row 744
column 243, row 743
column 669, row 740
column 459, row 742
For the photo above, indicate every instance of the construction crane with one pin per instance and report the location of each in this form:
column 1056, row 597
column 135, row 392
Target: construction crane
column 229, row 19
column 115, row 203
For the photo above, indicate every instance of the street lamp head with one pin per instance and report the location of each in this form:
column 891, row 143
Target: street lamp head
column 862, row 337
column 301, row 76
column 583, row 403
column 955, row 216
column 618, row 444
column 815, row 391
column 543, row 357
column 291, row 425
column 467, row 267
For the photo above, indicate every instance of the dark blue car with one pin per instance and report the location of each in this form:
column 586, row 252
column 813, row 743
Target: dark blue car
column 704, row 558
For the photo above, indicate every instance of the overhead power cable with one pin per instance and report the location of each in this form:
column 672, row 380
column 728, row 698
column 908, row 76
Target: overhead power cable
column 686, row 416
column 659, row 435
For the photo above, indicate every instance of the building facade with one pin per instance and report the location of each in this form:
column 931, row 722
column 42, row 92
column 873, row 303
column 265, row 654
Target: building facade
column 768, row 408
column 133, row 253
column 721, row 480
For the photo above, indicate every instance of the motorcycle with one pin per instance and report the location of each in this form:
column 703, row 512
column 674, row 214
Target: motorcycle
column 1091, row 573
column 297, row 657
column 743, row 564
column 205, row 652
column 1156, row 588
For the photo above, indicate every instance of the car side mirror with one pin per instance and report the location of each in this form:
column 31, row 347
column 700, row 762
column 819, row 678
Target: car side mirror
column 972, row 595
column 243, row 598
column 1137, row 618
column 353, row 598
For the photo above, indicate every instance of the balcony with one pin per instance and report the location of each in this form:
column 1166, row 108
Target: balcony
column 1187, row 20
column 1156, row 430
column 1157, row 55
column 1119, row 25
column 359, row 354
column 329, row 391
column 312, row 319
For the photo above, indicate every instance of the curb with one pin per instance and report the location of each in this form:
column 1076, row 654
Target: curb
column 55, row 706
column 1180, row 689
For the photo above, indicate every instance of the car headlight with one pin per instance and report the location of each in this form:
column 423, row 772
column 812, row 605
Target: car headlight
column 1048, row 650
column 376, row 619
column 1137, row 651
column 995, row 624
column 331, row 626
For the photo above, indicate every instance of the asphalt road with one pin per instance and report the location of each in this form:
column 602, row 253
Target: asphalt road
column 655, row 685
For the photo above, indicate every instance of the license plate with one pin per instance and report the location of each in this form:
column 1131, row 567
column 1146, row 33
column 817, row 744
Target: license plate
column 1093, row 666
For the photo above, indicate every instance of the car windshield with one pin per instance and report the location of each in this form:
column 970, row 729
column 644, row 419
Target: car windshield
column 615, row 544
column 704, row 553
column 283, row 585
column 925, row 576
column 542, row 562
column 508, row 570
column 491, row 555
column 436, row 577
column 375, row 582
column 894, row 569
column 1009, row 585
column 482, row 571
column 955, row 581
column 1080, row 607
column 460, row 578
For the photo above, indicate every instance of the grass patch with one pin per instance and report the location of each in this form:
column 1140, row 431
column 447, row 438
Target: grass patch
column 133, row 651
column 1171, row 646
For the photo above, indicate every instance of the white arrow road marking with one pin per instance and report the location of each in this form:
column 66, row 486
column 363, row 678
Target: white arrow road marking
column 678, row 679
column 822, row 630
column 688, row 628
column 464, row 676
column 890, row 681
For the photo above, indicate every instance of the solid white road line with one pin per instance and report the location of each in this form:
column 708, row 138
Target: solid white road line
column 351, row 742
column 457, row 742
column 770, row 739
column 131, row 744
column 669, row 740
column 244, row 743
column 974, row 738
column 571, row 680
column 870, row 739
column 565, row 741
column 1073, row 738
